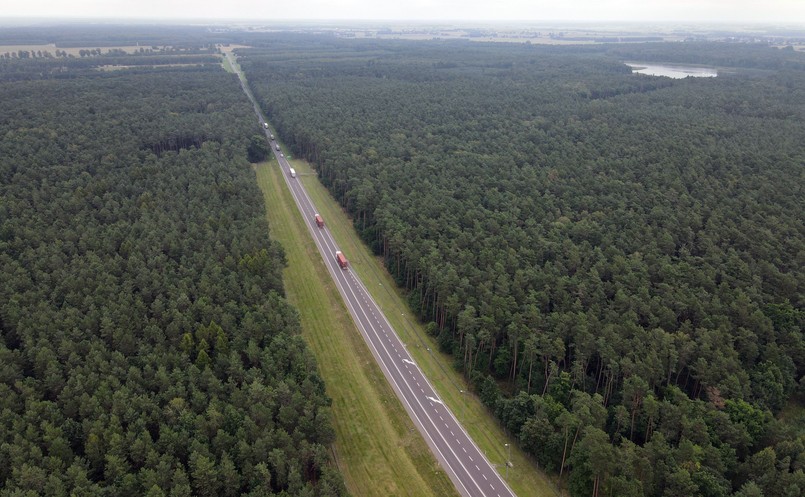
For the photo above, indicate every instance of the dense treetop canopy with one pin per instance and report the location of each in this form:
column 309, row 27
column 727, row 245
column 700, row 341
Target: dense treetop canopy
column 615, row 260
column 146, row 347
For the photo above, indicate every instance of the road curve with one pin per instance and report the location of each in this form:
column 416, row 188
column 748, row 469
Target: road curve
column 468, row 468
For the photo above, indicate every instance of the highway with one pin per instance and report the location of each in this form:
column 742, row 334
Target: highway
column 468, row 468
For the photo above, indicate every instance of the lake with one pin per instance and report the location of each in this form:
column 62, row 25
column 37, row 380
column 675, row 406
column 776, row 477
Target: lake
column 672, row 71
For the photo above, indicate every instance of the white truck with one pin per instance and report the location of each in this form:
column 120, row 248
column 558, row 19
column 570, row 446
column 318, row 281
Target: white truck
column 293, row 172
column 265, row 125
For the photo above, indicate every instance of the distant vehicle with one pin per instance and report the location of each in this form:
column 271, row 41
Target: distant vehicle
column 271, row 135
column 319, row 221
column 277, row 146
column 293, row 172
column 265, row 125
column 282, row 155
column 342, row 261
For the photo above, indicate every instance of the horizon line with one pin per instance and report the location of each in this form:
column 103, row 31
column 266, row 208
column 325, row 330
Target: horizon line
column 214, row 20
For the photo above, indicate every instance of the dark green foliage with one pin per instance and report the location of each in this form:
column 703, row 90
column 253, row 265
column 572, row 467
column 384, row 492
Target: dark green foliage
column 258, row 149
column 614, row 260
column 146, row 347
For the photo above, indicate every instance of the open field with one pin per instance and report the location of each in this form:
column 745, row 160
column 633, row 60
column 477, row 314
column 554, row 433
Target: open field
column 524, row 477
column 120, row 67
column 377, row 448
column 75, row 51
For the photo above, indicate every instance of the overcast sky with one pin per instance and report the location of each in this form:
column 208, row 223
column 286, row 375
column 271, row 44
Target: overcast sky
column 787, row 11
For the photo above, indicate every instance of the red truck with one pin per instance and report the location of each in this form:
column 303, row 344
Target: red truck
column 319, row 221
column 342, row 261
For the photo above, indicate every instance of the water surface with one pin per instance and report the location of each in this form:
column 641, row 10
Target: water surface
column 672, row 71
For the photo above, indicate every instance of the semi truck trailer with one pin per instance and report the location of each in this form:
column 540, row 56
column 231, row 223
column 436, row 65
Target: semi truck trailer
column 342, row 261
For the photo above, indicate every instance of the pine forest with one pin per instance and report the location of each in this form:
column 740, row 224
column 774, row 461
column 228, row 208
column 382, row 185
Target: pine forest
column 614, row 260
column 146, row 347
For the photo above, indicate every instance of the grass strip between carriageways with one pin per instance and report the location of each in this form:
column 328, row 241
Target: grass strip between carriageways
column 377, row 448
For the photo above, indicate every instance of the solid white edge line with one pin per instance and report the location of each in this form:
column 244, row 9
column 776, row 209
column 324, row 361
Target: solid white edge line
column 327, row 240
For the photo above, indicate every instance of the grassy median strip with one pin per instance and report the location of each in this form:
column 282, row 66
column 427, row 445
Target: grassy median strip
column 378, row 449
column 525, row 478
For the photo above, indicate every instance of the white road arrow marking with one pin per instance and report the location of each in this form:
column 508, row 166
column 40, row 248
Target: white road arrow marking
column 434, row 400
column 409, row 362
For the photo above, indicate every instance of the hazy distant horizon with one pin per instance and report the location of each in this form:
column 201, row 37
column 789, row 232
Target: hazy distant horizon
column 730, row 12
column 761, row 28
column 17, row 20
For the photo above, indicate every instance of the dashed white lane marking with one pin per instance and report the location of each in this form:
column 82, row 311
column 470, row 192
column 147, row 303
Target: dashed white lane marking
column 409, row 362
column 421, row 390
column 451, row 433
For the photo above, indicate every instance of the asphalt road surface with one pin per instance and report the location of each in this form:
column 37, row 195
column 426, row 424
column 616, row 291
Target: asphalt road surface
column 471, row 473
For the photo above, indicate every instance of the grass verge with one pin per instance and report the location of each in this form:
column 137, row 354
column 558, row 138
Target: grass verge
column 524, row 477
column 227, row 65
column 377, row 448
